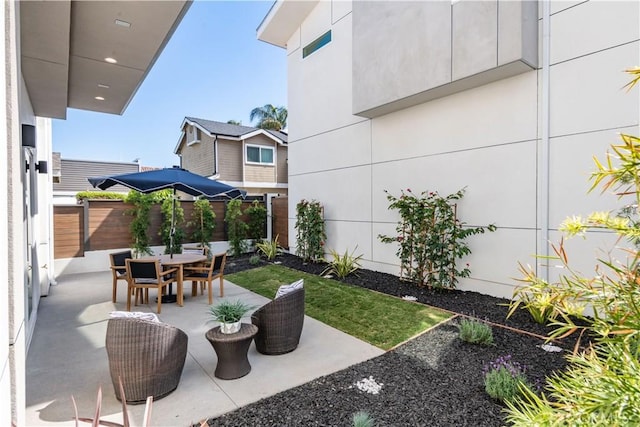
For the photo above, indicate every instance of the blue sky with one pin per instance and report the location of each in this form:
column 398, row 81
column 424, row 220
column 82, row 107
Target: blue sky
column 213, row 67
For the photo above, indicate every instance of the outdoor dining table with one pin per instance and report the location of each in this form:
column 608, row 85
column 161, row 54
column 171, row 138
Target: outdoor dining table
column 179, row 261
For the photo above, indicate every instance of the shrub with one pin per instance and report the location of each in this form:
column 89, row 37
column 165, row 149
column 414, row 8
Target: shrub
column 431, row 238
column 504, row 379
column 270, row 249
column 536, row 299
column 600, row 388
column 475, row 332
column 109, row 195
column 310, row 234
column 257, row 220
column 343, row 265
column 362, row 419
column 254, row 260
column 236, row 227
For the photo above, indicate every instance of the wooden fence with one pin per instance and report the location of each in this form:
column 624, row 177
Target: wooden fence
column 104, row 224
column 280, row 224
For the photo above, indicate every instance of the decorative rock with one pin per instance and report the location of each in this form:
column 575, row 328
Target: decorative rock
column 551, row 348
column 369, row 385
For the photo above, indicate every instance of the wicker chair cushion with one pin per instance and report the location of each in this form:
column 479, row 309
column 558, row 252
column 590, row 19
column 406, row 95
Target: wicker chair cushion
column 194, row 251
column 151, row 317
column 203, row 275
column 142, row 280
column 285, row 289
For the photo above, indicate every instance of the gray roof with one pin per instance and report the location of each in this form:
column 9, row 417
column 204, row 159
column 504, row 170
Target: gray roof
column 226, row 129
column 74, row 174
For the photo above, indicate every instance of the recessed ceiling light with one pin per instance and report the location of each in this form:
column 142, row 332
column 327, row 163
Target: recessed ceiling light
column 122, row 23
column 110, row 60
column 99, row 98
column 103, row 86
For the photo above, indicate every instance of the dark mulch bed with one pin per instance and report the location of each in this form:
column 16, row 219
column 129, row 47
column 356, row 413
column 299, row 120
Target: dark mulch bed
column 434, row 380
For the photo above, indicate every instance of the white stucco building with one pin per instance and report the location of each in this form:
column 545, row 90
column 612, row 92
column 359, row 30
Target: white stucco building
column 508, row 99
column 57, row 54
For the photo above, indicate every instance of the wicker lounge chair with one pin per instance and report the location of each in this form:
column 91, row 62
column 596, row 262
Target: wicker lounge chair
column 147, row 356
column 280, row 323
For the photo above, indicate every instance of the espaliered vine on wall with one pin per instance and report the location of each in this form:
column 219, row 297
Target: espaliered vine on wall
column 236, row 227
column 257, row 220
column 310, row 234
column 431, row 238
column 165, row 229
column 203, row 221
column 139, row 227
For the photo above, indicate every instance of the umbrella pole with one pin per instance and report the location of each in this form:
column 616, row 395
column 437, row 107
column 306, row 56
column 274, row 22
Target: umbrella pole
column 173, row 223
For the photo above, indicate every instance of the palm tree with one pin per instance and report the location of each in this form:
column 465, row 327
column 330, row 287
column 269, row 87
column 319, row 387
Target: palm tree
column 270, row 117
column 234, row 122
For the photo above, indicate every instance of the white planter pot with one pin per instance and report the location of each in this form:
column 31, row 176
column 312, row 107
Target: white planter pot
column 230, row 328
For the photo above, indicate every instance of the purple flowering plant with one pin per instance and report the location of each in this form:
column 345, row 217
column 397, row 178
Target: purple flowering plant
column 513, row 367
column 504, row 377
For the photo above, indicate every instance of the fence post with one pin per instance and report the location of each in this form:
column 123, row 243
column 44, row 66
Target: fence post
column 85, row 224
column 268, row 203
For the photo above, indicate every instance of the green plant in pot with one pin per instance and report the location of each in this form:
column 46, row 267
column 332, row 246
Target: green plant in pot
column 229, row 314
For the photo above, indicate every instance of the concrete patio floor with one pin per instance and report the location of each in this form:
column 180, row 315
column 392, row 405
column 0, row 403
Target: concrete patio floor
column 67, row 357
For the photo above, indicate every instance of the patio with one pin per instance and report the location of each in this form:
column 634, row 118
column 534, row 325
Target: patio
column 67, row 357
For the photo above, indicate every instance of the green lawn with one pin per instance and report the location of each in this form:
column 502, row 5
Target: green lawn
column 378, row 319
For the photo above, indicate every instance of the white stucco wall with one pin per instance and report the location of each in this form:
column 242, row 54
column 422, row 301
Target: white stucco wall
column 5, row 141
column 12, row 323
column 487, row 139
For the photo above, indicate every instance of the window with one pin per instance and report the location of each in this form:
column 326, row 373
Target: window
column 258, row 154
column 193, row 135
column 316, row 44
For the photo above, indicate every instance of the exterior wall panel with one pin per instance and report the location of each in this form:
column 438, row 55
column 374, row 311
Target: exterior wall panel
column 407, row 53
column 433, row 127
column 318, row 153
column 200, row 158
column 474, row 38
column 282, row 173
column 587, row 92
column 569, row 191
column 230, row 160
column 258, row 173
column 620, row 18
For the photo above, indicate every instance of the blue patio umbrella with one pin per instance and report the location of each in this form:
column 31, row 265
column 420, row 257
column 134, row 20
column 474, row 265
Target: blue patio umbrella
column 174, row 178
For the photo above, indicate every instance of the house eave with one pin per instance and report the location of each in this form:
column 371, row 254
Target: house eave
column 283, row 19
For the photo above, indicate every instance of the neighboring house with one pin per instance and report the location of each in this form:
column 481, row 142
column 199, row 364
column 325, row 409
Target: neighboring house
column 508, row 99
column 74, row 174
column 252, row 159
column 58, row 54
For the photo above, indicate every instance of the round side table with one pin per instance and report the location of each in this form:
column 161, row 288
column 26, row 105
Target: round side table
column 232, row 351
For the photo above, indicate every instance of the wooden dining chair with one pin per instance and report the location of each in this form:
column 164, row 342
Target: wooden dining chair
column 205, row 275
column 119, row 269
column 148, row 274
